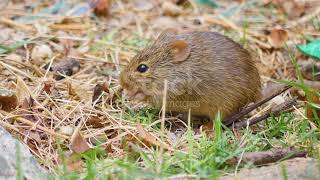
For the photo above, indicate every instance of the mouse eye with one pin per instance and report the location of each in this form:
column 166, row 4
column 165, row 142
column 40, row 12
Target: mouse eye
column 142, row 68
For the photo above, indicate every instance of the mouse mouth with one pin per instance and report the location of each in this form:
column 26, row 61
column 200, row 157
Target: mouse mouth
column 134, row 95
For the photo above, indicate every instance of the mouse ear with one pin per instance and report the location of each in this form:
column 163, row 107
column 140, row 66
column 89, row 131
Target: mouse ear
column 180, row 50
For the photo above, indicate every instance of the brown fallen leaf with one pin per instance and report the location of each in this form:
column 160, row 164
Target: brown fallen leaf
column 149, row 138
column 67, row 67
column 293, row 8
column 28, row 103
column 48, row 86
column 278, row 37
column 108, row 148
column 95, row 122
column 22, row 91
column 82, row 92
column 8, row 100
column 98, row 89
column 35, row 136
column 100, row 7
column 78, row 143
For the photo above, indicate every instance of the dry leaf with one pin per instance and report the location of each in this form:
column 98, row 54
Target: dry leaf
column 108, row 148
column 22, row 91
column 149, row 138
column 48, row 86
column 66, row 67
column 278, row 37
column 81, row 92
column 79, row 144
column 28, row 103
column 8, row 100
column 98, row 89
column 35, row 136
column 293, row 8
column 95, row 122
column 100, row 7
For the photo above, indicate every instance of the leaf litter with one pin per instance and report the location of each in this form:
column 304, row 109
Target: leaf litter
column 62, row 60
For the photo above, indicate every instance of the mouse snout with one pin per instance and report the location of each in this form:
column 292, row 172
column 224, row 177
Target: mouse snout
column 133, row 95
column 127, row 93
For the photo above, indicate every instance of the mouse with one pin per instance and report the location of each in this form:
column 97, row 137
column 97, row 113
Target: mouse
column 206, row 73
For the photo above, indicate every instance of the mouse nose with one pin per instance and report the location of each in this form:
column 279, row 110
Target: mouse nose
column 125, row 92
column 128, row 94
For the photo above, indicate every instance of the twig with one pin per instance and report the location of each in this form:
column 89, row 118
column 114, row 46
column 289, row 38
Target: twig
column 229, row 120
column 14, row 24
column 273, row 112
column 265, row 157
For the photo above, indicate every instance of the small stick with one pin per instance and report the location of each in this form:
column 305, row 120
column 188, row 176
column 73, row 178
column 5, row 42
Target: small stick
column 14, row 24
column 265, row 157
column 229, row 120
column 274, row 111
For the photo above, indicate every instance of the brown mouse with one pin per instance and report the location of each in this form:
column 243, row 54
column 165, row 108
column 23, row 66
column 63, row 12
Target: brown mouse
column 206, row 72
